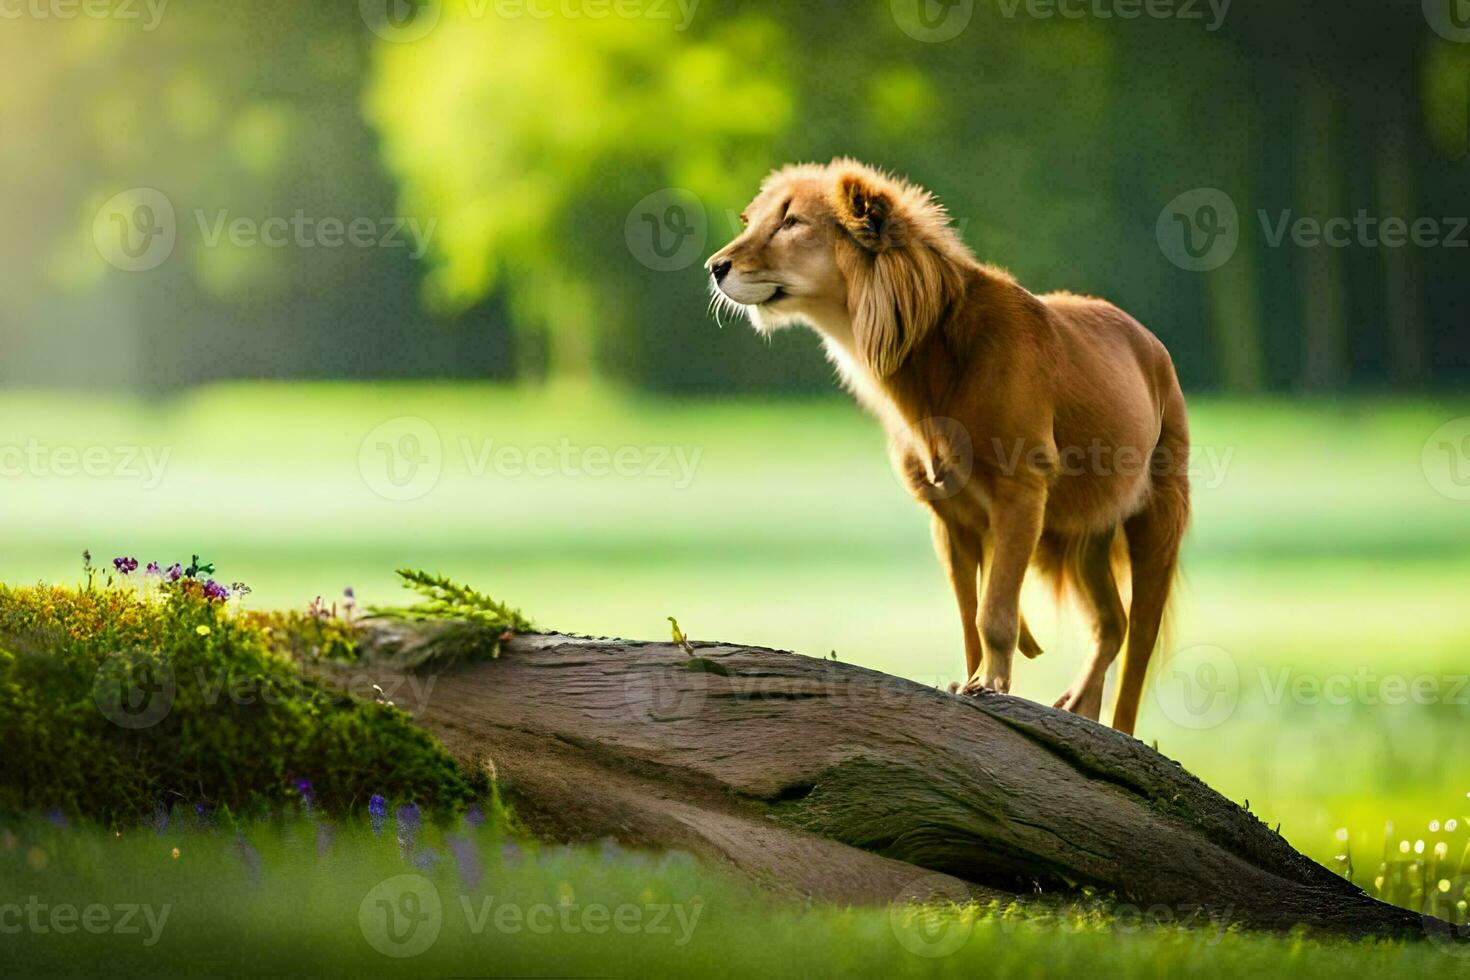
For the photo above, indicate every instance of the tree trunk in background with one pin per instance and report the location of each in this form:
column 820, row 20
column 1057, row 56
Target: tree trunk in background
column 1320, row 268
column 1403, row 282
column 818, row 779
column 1234, row 299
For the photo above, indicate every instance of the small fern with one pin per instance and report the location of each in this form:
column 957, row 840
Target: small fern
column 474, row 623
column 447, row 599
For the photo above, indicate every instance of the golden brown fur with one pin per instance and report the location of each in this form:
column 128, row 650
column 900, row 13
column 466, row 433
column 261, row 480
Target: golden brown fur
column 1039, row 430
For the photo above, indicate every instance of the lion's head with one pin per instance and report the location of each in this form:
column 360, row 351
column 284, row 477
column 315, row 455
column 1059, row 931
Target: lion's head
column 868, row 260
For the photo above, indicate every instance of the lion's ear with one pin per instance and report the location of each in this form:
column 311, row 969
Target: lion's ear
column 867, row 211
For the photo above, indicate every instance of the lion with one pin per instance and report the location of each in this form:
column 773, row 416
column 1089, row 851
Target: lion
column 1040, row 431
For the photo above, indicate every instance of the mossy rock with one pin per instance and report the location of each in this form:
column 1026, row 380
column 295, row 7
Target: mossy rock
column 118, row 702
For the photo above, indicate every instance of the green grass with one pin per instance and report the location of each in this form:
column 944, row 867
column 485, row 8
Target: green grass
column 1321, row 549
column 302, row 897
column 135, row 694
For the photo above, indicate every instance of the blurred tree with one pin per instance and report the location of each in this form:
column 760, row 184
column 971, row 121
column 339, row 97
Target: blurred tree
column 232, row 113
column 579, row 168
column 533, row 140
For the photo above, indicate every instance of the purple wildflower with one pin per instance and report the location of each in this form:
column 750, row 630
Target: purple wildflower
column 153, row 569
column 474, row 816
column 308, row 796
column 174, row 572
column 249, row 857
column 213, row 590
column 126, row 566
column 467, row 856
column 408, row 826
column 378, row 810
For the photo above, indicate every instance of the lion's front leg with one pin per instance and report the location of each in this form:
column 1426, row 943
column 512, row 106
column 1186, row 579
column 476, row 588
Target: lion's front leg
column 1017, row 512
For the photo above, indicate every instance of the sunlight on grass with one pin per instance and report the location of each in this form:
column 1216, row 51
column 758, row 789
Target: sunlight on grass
column 1319, row 552
column 398, row 896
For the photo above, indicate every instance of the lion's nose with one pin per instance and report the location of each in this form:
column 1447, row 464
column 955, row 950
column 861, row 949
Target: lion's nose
column 720, row 269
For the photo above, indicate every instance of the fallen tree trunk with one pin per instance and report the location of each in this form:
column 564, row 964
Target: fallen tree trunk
column 829, row 781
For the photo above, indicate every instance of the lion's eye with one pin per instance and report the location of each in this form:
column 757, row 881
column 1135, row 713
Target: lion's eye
column 791, row 222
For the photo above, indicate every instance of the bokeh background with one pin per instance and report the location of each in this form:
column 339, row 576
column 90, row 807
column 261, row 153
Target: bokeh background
column 321, row 290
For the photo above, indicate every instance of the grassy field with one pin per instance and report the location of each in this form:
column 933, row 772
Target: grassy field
column 1316, row 667
column 307, row 897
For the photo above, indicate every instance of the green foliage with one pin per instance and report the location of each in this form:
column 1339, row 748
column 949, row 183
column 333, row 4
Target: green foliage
column 471, row 624
column 298, row 898
column 115, row 702
column 445, row 599
column 510, row 135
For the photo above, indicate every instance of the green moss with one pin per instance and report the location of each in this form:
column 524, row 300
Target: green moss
column 113, row 704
